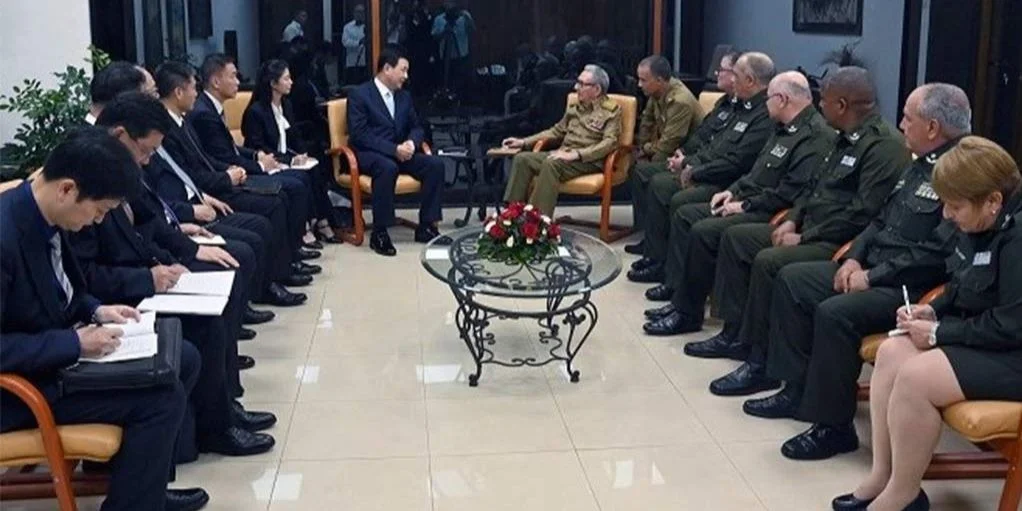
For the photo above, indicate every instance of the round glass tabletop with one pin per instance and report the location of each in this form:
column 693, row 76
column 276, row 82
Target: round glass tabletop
column 582, row 263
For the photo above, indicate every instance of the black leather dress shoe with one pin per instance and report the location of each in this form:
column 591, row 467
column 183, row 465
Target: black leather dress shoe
column 313, row 245
column 659, row 293
column 254, row 317
column 747, row 379
column 245, row 362
column 251, row 421
column 278, row 295
column 380, row 242
column 645, row 262
column 294, row 280
column 191, row 499
column 303, row 268
column 636, row 248
column 425, row 234
column 781, row 405
column 305, row 254
column 650, row 274
column 821, row 442
column 848, row 502
column 238, row 442
column 718, row 346
column 246, row 334
column 659, row 312
column 674, row 323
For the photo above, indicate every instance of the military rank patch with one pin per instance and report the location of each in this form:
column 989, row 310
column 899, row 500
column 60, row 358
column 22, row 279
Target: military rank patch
column 925, row 191
column 900, row 185
column 792, row 128
column 854, row 137
column 723, row 115
column 740, row 126
column 748, row 105
column 848, row 161
column 931, row 159
column 779, row 151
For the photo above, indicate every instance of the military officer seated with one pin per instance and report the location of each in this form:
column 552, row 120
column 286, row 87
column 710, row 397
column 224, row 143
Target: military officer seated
column 587, row 133
column 827, row 307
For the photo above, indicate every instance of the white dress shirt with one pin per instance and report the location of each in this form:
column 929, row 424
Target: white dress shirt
column 282, row 127
column 387, row 94
column 353, row 37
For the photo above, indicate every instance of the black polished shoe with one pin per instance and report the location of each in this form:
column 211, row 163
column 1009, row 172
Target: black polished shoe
column 313, row 245
column 643, row 263
column 674, row 323
column 718, row 346
column 295, row 280
column 246, row 334
column 921, row 503
column 848, row 502
column 303, row 268
column 191, row 499
column 821, row 442
column 781, row 405
column 659, row 293
column 251, row 421
column 651, row 274
column 425, row 234
column 636, row 248
column 245, row 362
column 305, row 254
column 238, row 442
column 748, row 379
column 659, row 312
column 380, row 242
column 279, row 296
column 254, row 317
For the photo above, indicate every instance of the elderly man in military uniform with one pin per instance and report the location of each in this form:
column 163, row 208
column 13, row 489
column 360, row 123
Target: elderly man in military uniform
column 859, row 173
column 826, row 308
column 670, row 115
column 696, row 178
column 783, row 170
column 712, row 123
column 587, row 133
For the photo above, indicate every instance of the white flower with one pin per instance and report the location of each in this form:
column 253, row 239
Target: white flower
column 528, row 207
column 543, row 234
column 489, row 225
column 546, row 219
column 510, row 242
column 528, row 241
column 507, row 222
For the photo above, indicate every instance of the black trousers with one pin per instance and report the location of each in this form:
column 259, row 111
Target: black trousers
column 297, row 185
column 428, row 169
column 273, row 208
column 816, row 342
column 256, row 232
column 744, row 279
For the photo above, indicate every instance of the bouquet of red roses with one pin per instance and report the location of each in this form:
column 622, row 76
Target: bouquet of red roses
column 519, row 234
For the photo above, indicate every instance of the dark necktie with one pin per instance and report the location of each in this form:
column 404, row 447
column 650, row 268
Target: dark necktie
column 197, row 149
column 57, row 260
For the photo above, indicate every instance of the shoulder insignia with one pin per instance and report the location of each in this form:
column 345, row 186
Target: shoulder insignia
column 609, row 104
column 931, row 159
column 854, row 137
column 792, row 129
column 748, row 105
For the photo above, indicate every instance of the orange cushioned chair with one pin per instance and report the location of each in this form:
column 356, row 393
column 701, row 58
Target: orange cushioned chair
column 60, row 447
column 234, row 110
column 615, row 171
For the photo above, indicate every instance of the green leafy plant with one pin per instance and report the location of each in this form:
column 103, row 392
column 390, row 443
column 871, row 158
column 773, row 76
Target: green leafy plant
column 48, row 113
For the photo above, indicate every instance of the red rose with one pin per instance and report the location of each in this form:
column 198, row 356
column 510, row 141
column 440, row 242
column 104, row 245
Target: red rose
column 513, row 210
column 554, row 231
column 497, row 231
column 530, row 231
column 533, row 216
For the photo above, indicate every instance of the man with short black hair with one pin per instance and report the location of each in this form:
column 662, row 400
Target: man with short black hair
column 117, row 77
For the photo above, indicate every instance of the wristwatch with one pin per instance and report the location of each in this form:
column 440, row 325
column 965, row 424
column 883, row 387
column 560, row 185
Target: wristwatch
column 933, row 334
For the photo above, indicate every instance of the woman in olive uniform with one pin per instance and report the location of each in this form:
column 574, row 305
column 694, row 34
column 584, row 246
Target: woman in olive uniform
column 976, row 328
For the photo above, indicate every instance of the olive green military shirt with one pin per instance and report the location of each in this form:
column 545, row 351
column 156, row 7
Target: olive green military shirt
column 667, row 121
column 786, row 164
column 713, row 123
column 592, row 129
column 859, row 173
column 732, row 151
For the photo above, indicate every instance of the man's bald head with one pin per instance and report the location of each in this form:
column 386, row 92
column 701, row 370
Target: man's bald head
column 787, row 96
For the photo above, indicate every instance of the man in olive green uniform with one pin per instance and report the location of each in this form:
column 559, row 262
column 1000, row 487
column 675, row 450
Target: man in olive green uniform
column 826, row 308
column 587, row 133
column 696, row 178
column 670, row 116
column 783, row 170
column 858, row 174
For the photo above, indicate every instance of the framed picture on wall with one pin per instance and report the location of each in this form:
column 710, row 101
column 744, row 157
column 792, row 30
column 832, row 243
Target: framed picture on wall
column 827, row 17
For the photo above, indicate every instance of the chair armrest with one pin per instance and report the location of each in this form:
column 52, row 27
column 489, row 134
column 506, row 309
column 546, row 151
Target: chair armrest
column 30, row 395
column 932, row 295
column 779, row 217
column 335, row 154
column 543, row 144
column 610, row 161
column 841, row 252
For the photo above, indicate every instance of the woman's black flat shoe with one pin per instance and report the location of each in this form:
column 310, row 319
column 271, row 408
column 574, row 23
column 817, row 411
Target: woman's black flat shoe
column 848, row 502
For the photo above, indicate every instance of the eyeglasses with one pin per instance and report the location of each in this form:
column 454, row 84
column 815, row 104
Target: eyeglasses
column 579, row 84
column 723, row 71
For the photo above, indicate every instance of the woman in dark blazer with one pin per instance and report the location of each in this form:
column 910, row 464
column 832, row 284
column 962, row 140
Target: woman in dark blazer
column 966, row 345
column 269, row 126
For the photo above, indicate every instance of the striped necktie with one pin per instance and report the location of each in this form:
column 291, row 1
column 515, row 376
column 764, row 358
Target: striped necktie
column 57, row 260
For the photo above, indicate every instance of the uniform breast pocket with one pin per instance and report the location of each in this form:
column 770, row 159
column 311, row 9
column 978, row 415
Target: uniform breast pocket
column 977, row 287
column 596, row 123
column 922, row 217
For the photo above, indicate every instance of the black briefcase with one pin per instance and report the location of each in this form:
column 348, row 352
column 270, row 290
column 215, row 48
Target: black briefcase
column 160, row 369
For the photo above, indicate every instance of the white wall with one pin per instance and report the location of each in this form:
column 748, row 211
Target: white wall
column 37, row 38
column 765, row 25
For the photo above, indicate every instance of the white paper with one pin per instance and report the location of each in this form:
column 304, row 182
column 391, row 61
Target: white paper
column 438, row 253
column 147, row 325
column 215, row 240
column 306, row 165
column 208, row 283
column 185, row 304
column 131, row 348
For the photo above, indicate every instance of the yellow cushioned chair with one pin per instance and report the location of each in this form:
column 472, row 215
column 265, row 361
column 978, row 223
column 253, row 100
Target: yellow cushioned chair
column 60, row 447
column 708, row 99
column 234, row 110
column 337, row 119
column 615, row 171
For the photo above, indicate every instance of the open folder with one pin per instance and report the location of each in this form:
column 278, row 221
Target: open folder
column 198, row 293
column 138, row 340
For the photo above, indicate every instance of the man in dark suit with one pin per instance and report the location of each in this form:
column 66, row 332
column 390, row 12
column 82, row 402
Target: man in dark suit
column 138, row 250
column 220, row 82
column 44, row 303
column 385, row 133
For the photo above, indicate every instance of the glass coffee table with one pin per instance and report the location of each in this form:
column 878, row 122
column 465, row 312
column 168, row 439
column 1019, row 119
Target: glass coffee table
column 561, row 286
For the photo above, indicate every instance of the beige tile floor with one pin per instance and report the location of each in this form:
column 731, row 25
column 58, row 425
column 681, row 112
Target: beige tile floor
column 369, row 382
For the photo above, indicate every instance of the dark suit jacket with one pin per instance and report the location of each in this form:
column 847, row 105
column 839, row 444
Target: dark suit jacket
column 192, row 158
column 370, row 126
column 261, row 133
column 36, row 335
column 216, row 139
column 171, row 188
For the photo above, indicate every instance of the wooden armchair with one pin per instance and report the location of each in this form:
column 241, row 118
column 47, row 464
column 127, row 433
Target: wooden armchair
column 615, row 171
column 337, row 120
column 994, row 426
column 60, row 447
column 234, row 110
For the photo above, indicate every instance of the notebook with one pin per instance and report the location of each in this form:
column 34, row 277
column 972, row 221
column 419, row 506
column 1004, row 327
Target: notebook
column 138, row 340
